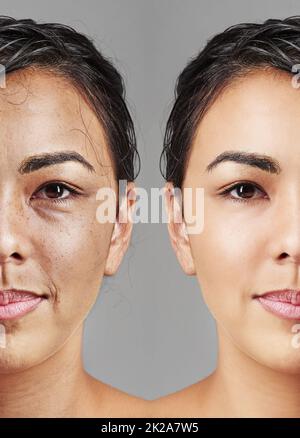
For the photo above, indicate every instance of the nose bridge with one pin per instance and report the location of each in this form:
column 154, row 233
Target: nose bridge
column 12, row 225
column 286, row 234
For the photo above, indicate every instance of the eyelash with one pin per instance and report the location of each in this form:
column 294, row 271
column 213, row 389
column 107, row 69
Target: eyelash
column 226, row 192
column 73, row 193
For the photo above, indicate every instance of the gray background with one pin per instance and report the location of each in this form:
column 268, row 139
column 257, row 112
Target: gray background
column 150, row 332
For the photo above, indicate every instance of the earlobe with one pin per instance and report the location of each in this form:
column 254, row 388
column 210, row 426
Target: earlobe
column 177, row 230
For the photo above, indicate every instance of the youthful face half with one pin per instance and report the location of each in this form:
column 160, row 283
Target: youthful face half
column 250, row 243
column 53, row 160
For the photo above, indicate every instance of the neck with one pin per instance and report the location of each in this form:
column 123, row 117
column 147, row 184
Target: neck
column 49, row 389
column 242, row 387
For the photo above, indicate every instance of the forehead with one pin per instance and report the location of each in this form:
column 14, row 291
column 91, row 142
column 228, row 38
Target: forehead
column 259, row 112
column 41, row 111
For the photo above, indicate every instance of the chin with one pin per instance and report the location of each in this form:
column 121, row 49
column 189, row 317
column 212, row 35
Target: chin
column 289, row 363
column 15, row 358
column 284, row 360
column 12, row 363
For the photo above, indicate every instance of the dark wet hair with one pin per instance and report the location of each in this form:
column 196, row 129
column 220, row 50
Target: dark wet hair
column 59, row 48
column 240, row 49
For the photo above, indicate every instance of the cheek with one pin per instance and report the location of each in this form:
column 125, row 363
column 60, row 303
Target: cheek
column 225, row 260
column 73, row 255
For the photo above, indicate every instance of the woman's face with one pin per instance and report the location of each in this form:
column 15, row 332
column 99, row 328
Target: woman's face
column 51, row 242
column 250, row 243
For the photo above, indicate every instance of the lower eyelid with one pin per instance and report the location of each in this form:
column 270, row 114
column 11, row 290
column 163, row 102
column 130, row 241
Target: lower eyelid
column 69, row 196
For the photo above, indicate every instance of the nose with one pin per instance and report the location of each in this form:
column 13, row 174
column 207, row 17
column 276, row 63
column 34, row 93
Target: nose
column 14, row 246
column 285, row 235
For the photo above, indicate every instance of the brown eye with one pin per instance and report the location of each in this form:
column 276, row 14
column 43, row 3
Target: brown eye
column 55, row 192
column 245, row 192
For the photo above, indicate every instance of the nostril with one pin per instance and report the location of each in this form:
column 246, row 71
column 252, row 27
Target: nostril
column 16, row 255
column 283, row 255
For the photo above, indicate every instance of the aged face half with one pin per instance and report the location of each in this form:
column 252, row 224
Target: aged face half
column 250, row 243
column 53, row 160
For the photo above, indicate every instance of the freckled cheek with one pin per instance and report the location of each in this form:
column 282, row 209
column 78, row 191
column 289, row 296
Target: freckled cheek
column 74, row 258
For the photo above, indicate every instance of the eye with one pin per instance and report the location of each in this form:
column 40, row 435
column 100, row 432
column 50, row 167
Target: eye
column 55, row 192
column 245, row 192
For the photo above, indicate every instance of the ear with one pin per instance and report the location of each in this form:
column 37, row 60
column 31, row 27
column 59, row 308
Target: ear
column 177, row 229
column 122, row 231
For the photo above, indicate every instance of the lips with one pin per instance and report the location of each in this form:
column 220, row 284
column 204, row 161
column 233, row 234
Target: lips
column 16, row 303
column 284, row 303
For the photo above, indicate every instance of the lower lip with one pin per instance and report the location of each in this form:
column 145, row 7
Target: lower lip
column 19, row 308
column 283, row 310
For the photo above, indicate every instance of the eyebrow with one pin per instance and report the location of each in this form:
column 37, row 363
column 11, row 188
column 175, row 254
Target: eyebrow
column 263, row 162
column 36, row 162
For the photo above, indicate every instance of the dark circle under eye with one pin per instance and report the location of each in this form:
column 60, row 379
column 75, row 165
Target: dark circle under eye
column 53, row 190
column 245, row 190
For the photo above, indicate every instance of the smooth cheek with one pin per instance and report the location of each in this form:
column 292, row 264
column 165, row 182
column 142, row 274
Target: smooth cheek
column 231, row 263
column 225, row 259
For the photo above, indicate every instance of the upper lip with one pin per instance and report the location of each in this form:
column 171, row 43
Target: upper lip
column 13, row 295
column 287, row 295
